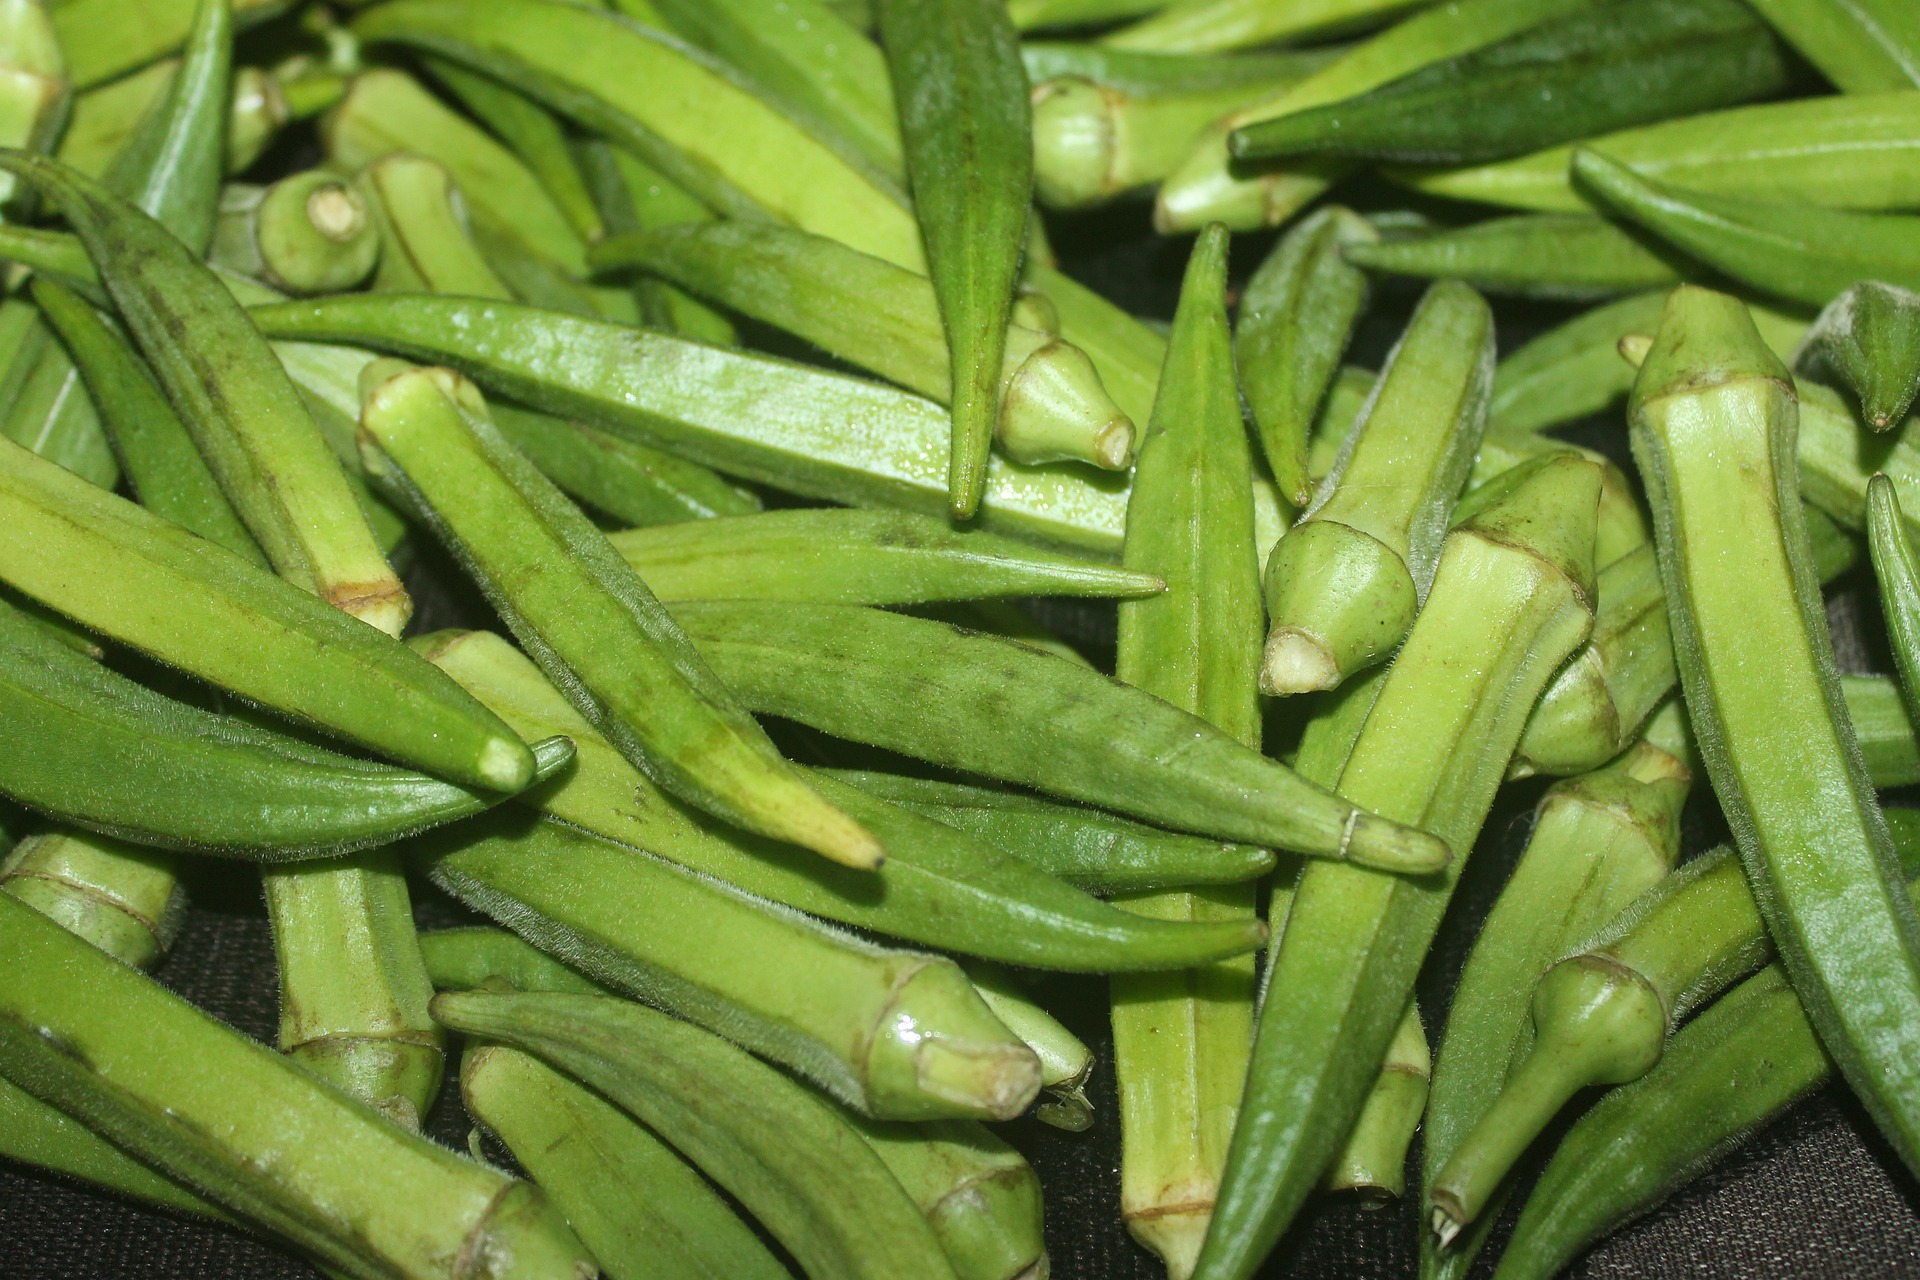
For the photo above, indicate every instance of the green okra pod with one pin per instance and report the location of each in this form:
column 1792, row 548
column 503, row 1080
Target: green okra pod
column 1212, row 26
column 1518, row 577
column 35, row 94
column 477, row 957
column 1065, row 1061
column 1049, row 403
column 1374, row 1160
column 535, row 136
column 105, row 38
column 1898, row 574
column 1151, row 74
column 202, row 1103
column 1801, row 252
column 1545, row 255
column 1869, row 337
column 839, row 667
column 1181, row 1040
column 1030, row 14
column 170, row 166
column 148, row 583
column 1863, row 46
column 786, row 1155
column 1593, row 71
column 45, row 1137
column 123, row 899
column 800, row 429
column 644, row 1213
column 310, row 233
column 106, row 118
column 587, row 617
column 1714, row 416
column 1852, row 151
column 426, row 243
column 53, row 253
column 1344, row 584
column 944, row 888
column 839, row 556
column 1296, row 318
column 897, row 1034
column 977, row 1193
column 45, row 406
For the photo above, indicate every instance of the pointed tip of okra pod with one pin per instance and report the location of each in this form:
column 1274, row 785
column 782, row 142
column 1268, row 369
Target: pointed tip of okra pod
column 1383, row 845
column 801, row 816
column 1175, row 1233
column 1705, row 339
column 506, row 764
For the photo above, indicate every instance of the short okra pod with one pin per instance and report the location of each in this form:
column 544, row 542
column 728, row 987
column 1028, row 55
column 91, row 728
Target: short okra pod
column 1433, row 747
column 1345, row 582
column 1870, row 337
column 310, row 233
column 644, row 1213
column 1296, row 318
column 1373, row 1162
column 123, row 899
column 1863, row 47
column 1065, row 1062
column 204, row 1104
column 786, row 1155
column 978, row 1194
column 426, row 245
column 587, row 617
column 1211, row 26
column 1713, row 428
column 1544, row 255
column 1048, row 402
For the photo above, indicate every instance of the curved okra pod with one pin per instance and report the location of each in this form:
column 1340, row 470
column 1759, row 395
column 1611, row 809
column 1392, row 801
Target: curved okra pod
column 587, row 617
column 641, row 1210
column 1870, row 337
column 148, row 583
column 800, row 429
column 1212, row 26
column 426, row 246
column 1180, row 1040
column 1296, row 318
column 156, row 453
column 835, row 555
column 202, row 1103
column 1048, row 403
column 839, row 668
column 1849, row 151
column 1344, row 584
column 1713, row 429
column 1863, row 47
column 310, row 233
column 121, row 898
column 1589, row 72
column 1518, row 576
column 1801, row 252
column 977, row 1193
column 786, row 1155
column 1065, row 1062
column 1374, row 1160
column 1543, row 255
column 1093, row 850
column 943, row 888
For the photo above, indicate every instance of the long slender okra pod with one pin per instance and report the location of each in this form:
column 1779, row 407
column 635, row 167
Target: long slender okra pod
column 202, row 1103
column 1210, row 26
column 1048, row 402
column 1863, row 47
column 1774, row 736
column 309, row 233
column 1542, row 255
column 1180, row 1040
column 1870, row 337
column 944, row 888
column 594, row 626
column 477, row 957
column 977, row 1193
column 642, row 1211
column 1374, row 1160
column 1519, row 576
column 121, row 898
column 1344, row 584
column 783, row 1153
column 1296, row 318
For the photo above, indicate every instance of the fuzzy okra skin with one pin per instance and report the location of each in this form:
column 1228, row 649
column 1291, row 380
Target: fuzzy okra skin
column 148, row 583
column 1870, row 337
column 123, row 899
column 786, row 1155
column 842, row 556
column 967, row 133
column 840, row 668
column 1048, row 404
column 1543, row 255
column 644, row 1213
column 943, row 888
column 587, row 617
column 308, row 233
column 800, row 429
column 240, row 406
column 1296, row 318
column 1344, row 584
column 243, row 1126
column 1756, row 664
column 1519, row 577
column 477, row 957
column 897, row 1034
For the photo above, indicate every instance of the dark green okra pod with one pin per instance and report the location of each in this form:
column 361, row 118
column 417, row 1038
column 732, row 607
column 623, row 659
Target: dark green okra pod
column 1869, row 337
column 310, row 233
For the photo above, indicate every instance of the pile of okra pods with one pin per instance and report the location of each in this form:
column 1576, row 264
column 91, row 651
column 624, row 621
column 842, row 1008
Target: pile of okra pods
column 715, row 351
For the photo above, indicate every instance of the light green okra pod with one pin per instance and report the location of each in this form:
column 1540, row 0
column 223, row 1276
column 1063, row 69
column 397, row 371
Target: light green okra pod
column 171, row 164
column 1546, row 255
column 309, row 233
column 1343, row 585
column 1863, row 46
column 535, row 136
column 1029, row 14
column 1897, row 572
column 35, row 94
column 1211, row 26
column 1373, row 1162
column 121, row 898
column 1065, row 1061
column 1869, row 337
column 477, row 957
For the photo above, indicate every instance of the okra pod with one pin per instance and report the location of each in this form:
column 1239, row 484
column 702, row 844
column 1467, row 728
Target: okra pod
column 200, row 1102
column 1863, row 47
column 839, row 556
column 1898, row 575
column 976, row 1192
column 1374, row 1160
column 1546, row 255
column 1296, row 318
column 896, row 1034
column 1344, row 584
column 1869, row 337
column 34, row 90
column 784, row 1154
column 643, row 1212
column 45, row 406
column 1065, row 1062
column 1148, row 75
column 1713, row 429
column 309, row 233
column 1212, row 26
column 103, row 39
column 1518, row 576
column 170, row 166
column 1029, row 14
column 1048, row 402
column 123, row 899
column 481, row 958
column 944, row 888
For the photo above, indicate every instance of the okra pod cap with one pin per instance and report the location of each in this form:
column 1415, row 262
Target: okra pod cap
column 1347, row 600
column 123, row 899
column 310, row 233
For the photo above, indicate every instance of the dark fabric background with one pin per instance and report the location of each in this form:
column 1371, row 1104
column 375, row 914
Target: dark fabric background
column 1817, row 1195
